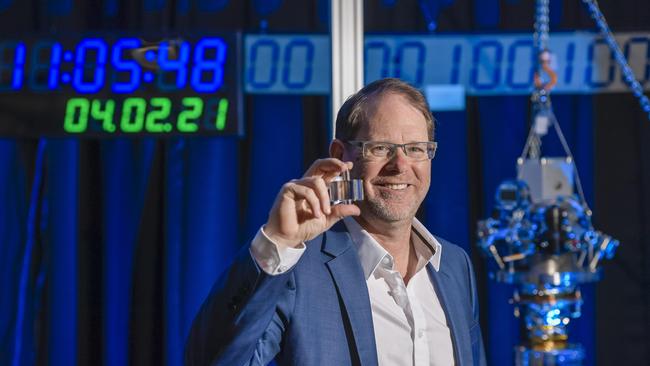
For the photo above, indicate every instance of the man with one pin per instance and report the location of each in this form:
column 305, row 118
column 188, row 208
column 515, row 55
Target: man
column 361, row 284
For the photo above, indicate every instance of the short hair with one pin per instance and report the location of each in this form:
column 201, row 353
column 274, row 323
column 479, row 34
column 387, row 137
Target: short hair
column 354, row 111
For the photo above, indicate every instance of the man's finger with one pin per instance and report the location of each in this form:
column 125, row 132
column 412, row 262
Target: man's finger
column 300, row 191
column 340, row 211
column 327, row 167
column 319, row 186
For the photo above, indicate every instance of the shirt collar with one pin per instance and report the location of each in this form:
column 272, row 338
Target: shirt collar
column 371, row 252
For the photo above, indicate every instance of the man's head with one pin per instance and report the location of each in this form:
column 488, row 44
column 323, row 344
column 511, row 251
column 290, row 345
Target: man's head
column 394, row 112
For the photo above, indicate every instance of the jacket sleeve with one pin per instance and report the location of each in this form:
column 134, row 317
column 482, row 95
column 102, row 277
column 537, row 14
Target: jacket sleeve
column 243, row 319
column 478, row 349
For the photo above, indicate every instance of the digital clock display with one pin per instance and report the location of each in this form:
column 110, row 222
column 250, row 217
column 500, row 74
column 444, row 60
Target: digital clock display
column 101, row 86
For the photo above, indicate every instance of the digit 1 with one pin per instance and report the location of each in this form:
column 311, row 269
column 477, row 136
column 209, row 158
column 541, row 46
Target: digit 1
column 16, row 66
column 55, row 62
column 186, row 119
column 105, row 115
column 46, row 58
column 570, row 55
column 455, row 68
column 222, row 113
column 129, row 124
column 78, row 107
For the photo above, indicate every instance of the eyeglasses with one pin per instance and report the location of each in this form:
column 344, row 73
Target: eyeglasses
column 415, row 151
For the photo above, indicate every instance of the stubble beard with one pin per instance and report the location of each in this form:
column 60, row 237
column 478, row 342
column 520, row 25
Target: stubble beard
column 381, row 207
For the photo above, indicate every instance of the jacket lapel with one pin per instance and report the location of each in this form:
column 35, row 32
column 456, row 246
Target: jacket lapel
column 452, row 304
column 346, row 271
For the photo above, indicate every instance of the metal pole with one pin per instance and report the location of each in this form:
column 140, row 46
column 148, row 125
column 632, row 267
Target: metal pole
column 347, row 51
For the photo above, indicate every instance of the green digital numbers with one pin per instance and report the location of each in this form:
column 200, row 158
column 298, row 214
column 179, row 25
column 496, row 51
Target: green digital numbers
column 76, row 115
column 137, row 115
column 133, row 111
column 105, row 115
column 222, row 113
column 156, row 121
column 187, row 118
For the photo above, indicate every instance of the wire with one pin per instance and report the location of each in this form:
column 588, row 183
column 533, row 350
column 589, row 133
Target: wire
column 628, row 74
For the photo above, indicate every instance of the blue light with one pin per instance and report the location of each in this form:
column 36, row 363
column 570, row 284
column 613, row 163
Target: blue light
column 122, row 66
column 65, row 78
column 55, row 62
column 16, row 66
column 67, row 55
column 179, row 65
column 202, row 65
column 17, row 81
column 307, row 61
column 78, row 82
column 271, row 64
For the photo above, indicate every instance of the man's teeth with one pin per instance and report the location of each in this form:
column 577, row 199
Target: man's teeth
column 396, row 186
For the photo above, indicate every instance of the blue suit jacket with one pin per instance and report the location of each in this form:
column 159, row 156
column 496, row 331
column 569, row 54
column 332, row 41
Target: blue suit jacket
column 318, row 313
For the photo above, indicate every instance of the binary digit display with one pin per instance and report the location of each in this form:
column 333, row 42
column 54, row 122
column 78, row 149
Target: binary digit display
column 103, row 86
column 483, row 64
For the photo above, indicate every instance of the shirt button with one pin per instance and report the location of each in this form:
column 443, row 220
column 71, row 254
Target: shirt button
column 420, row 333
column 386, row 260
column 282, row 269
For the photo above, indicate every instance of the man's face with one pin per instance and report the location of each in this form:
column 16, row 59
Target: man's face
column 394, row 187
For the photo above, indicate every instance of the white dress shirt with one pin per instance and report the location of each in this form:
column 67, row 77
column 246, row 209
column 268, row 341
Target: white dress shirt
column 409, row 322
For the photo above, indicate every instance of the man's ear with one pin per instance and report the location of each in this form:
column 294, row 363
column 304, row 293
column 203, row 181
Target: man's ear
column 337, row 148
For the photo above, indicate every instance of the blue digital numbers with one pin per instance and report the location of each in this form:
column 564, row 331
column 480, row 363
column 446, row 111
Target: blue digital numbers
column 287, row 64
column 416, row 74
column 514, row 64
column 570, row 57
column 454, row 77
column 172, row 61
column 12, row 63
column 485, row 64
column 482, row 60
column 589, row 70
column 122, row 66
column 89, row 72
column 55, row 64
column 268, row 52
column 203, row 64
column 44, row 66
column 375, row 50
column 125, row 65
column 645, row 56
column 290, row 63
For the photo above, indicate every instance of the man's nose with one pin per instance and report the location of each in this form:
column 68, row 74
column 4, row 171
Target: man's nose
column 399, row 161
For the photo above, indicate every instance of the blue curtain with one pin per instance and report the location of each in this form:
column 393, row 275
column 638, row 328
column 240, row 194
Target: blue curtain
column 204, row 182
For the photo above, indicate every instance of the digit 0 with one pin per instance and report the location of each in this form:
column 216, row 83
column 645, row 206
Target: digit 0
column 133, row 112
column 76, row 115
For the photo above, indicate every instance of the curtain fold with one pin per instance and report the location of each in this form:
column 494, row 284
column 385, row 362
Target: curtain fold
column 61, row 251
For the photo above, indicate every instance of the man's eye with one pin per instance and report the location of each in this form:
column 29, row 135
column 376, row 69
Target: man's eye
column 380, row 149
column 416, row 149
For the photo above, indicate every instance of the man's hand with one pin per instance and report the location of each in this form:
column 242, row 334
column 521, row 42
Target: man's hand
column 302, row 209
